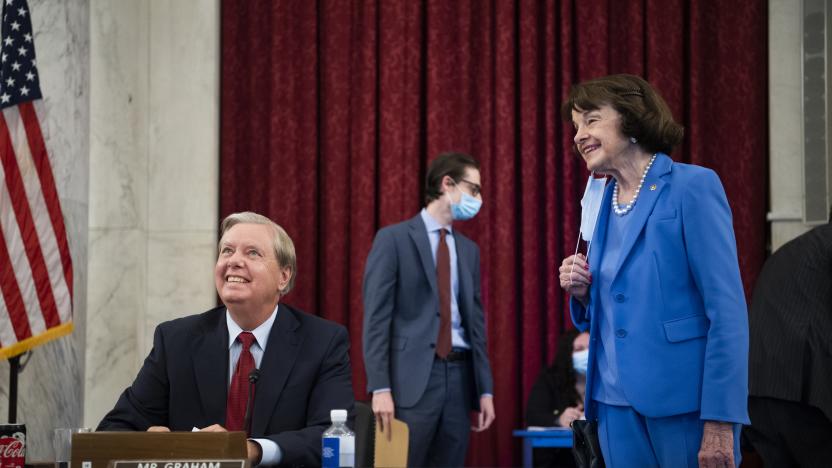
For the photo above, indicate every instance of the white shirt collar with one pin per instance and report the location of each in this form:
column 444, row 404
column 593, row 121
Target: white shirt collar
column 261, row 333
column 432, row 224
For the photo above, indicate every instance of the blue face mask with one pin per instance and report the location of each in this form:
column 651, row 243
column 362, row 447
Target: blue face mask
column 590, row 205
column 580, row 361
column 467, row 208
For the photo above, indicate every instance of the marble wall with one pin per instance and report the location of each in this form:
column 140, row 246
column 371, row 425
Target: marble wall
column 51, row 384
column 785, row 121
column 154, row 159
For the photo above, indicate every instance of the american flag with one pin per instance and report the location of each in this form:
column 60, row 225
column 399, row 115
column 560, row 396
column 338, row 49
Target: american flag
column 35, row 263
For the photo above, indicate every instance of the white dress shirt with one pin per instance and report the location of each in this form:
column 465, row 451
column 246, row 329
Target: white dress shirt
column 271, row 453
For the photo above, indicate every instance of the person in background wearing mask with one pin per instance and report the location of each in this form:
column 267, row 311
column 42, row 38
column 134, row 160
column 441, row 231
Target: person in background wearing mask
column 557, row 396
column 424, row 334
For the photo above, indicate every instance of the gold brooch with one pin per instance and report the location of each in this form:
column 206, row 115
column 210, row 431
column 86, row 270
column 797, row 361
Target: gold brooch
column 653, row 187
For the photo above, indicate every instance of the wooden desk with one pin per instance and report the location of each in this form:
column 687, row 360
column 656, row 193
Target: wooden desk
column 558, row 437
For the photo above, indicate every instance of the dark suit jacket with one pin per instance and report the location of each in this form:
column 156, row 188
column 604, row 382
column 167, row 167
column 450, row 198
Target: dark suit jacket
column 401, row 311
column 545, row 403
column 544, row 406
column 790, row 354
column 304, row 373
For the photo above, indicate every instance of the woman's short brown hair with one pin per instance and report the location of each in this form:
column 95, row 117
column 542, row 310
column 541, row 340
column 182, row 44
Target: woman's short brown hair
column 644, row 114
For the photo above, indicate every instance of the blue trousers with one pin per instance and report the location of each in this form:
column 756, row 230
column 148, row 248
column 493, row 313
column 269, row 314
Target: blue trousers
column 629, row 439
column 440, row 422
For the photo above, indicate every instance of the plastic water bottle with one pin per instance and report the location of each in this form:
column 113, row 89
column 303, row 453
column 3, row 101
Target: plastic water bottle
column 338, row 442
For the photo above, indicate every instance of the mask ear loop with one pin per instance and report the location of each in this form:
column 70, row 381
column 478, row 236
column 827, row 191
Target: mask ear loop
column 448, row 193
column 578, row 244
column 588, row 248
column 572, row 268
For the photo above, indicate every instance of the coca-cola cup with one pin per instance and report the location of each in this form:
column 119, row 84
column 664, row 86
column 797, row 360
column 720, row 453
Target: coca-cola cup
column 62, row 443
column 12, row 445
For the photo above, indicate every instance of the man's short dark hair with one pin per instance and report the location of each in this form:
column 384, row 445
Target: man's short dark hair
column 446, row 164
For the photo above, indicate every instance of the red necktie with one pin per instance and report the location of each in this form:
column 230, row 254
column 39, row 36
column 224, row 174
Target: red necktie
column 235, row 408
column 443, row 279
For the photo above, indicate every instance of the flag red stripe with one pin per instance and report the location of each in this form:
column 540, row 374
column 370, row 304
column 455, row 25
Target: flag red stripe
column 20, row 204
column 12, row 296
column 47, row 184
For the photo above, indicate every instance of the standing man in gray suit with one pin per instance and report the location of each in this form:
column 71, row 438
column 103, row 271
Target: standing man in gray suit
column 424, row 329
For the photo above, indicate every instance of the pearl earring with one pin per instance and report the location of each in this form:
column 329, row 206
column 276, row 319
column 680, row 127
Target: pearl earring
column 633, row 140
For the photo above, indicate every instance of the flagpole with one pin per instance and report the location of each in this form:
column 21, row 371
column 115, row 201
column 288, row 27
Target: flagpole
column 14, row 370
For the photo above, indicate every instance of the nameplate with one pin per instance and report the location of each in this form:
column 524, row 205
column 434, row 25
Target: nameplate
column 177, row 464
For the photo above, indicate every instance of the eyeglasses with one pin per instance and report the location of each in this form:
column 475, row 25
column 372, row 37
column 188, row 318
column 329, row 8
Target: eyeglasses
column 476, row 189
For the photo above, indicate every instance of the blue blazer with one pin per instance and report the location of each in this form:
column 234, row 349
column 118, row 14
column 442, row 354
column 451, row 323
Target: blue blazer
column 401, row 312
column 679, row 312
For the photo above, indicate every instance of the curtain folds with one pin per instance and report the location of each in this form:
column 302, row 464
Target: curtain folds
column 331, row 111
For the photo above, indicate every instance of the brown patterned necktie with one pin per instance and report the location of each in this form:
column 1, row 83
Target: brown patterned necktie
column 443, row 280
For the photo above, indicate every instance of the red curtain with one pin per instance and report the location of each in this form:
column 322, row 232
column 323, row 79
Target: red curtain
column 331, row 111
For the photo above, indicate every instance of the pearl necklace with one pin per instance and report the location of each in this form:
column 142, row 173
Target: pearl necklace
column 629, row 206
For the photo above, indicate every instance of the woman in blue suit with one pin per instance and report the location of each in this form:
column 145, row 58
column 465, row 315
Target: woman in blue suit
column 661, row 294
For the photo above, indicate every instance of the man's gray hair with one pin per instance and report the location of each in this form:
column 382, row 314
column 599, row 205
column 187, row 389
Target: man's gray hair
column 284, row 248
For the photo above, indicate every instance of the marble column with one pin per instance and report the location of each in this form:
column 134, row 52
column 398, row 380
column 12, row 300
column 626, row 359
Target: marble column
column 154, row 157
column 119, row 66
column 785, row 121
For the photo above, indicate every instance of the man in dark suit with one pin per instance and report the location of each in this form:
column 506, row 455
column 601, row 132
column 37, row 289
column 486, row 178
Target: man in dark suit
column 790, row 383
column 199, row 370
column 424, row 332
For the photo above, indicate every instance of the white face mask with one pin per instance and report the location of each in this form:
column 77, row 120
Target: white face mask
column 580, row 361
column 591, row 205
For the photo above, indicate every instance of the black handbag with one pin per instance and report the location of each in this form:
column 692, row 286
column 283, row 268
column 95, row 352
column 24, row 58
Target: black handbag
column 585, row 446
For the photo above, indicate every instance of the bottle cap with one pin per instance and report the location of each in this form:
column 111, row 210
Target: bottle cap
column 338, row 415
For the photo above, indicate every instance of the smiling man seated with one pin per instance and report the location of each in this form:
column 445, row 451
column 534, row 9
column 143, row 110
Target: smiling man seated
column 197, row 374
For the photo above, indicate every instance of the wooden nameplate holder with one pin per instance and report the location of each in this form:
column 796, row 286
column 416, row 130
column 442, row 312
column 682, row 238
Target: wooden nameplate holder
column 97, row 449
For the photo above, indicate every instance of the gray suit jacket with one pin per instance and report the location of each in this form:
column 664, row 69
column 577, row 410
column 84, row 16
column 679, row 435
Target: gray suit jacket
column 401, row 312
